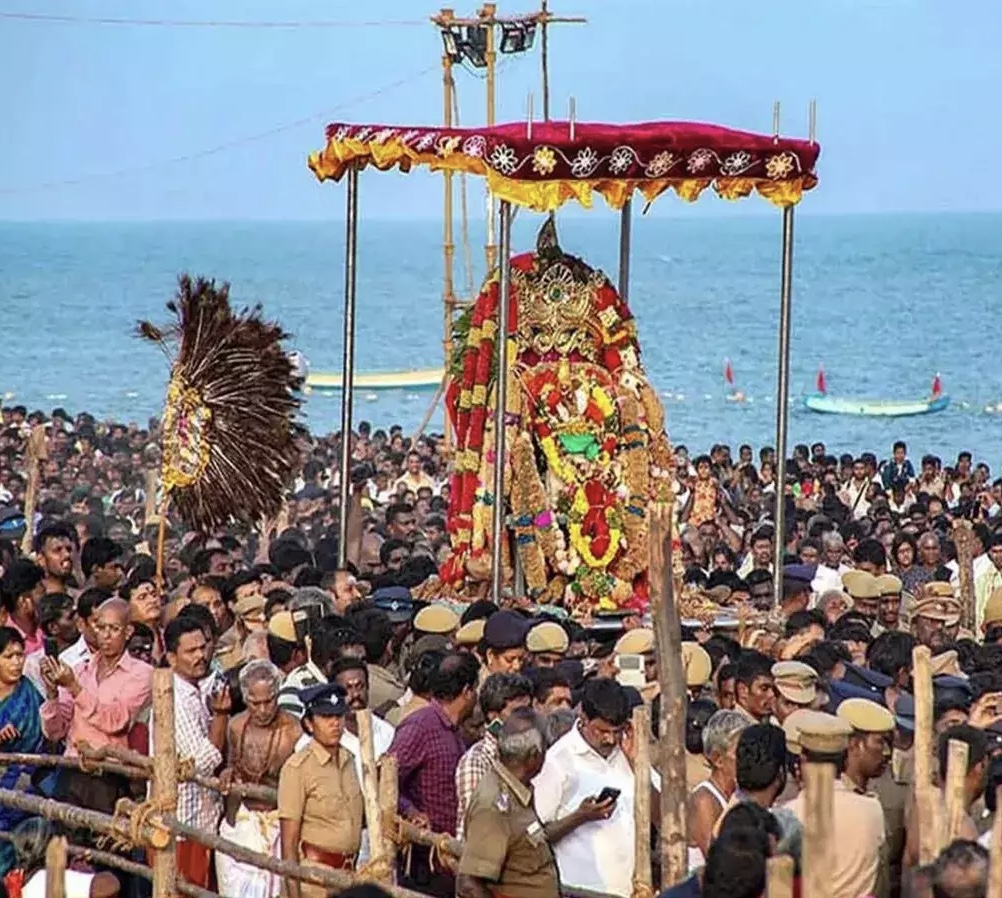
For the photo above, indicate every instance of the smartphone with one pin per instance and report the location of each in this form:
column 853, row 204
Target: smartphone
column 51, row 647
column 607, row 794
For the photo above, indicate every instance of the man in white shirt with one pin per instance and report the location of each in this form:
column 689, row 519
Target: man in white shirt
column 580, row 766
column 86, row 646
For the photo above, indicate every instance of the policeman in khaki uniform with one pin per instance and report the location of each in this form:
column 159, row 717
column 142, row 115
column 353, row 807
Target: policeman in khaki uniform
column 935, row 621
column 320, row 804
column 506, row 852
column 547, row 643
column 796, row 688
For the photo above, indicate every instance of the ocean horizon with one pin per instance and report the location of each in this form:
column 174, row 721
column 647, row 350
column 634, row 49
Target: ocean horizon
column 883, row 301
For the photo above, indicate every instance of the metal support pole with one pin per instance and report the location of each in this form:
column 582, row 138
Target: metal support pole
column 500, row 402
column 783, row 402
column 544, row 18
column 448, row 246
column 348, row 366
column 488, row 12
column 625, row 230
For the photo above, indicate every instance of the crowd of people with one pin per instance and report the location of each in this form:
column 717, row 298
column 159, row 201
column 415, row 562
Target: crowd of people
column 510, row 726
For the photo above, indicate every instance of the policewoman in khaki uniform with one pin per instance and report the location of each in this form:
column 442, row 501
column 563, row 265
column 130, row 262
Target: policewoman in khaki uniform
column 320, row 804
column 506, row 852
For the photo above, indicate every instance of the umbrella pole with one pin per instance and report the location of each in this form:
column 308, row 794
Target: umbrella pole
column 625, row 232
column 348, row 365
column 783, row 403
column 500, row 402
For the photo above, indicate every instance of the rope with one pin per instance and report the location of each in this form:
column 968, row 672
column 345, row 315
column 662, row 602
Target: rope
column 641, row 889
column 464, row 214
column 134, row 822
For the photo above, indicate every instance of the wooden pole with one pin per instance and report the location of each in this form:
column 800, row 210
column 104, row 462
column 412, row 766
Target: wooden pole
column 956, row 805
column 995, row 853
column 779, row 877
column 925, row 797
column 37, row 452
column 55, row 868
column 161, row 537
column 152, row 832
column 150, row 509
column 370, row 793
column 820, row 753
column 108, row 859
column 163, row 788
column 642, row 879
column 671, row 678
column 388, row 801
column 963, row 539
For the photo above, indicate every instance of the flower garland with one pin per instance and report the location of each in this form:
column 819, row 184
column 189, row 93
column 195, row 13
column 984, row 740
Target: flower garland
column 593, row 524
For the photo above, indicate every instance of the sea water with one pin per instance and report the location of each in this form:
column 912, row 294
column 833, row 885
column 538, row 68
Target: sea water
column 883, row 302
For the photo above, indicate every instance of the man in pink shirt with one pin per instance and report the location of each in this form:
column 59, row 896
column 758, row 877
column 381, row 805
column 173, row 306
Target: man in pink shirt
column 98, row 703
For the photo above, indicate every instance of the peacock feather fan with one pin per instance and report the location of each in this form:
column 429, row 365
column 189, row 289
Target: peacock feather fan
column 229, row 434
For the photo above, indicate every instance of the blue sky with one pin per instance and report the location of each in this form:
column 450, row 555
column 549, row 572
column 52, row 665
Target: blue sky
column 905, row 90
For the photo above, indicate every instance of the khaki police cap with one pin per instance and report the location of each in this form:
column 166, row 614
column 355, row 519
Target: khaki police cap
column 865, row 716
column 889, row 585
column 824, row 733
column 861, row 585
column 281, row 626
column 939, row 589
column 798, row 720
column 992, row 613
column 636, row 642
column 547, row 636
column 795, row 681
column 936, row 608
column 698, row 664
column 470, row 633
column 436, row 619
column 719, row 595
column 250, row 605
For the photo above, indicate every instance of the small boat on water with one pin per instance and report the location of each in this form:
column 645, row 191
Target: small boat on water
column 819, row 401
column 415, row 381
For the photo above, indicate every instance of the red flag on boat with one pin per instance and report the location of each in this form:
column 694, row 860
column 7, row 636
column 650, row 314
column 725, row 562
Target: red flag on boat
column 822, row 384
column 728, row 373
column 937, row 386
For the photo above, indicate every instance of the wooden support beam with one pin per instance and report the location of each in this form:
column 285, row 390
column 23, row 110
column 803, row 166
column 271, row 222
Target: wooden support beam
column 163, row 787
column 389, row 797
column 956, row 805
column 370, row 793
column 925, row 793
column 642, row 878
column 55, row 868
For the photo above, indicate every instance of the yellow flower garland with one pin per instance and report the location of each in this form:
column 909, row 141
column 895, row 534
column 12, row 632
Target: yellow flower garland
column 579, row 508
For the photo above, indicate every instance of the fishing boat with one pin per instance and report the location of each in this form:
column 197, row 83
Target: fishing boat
column 420, row 381
column 819, row 401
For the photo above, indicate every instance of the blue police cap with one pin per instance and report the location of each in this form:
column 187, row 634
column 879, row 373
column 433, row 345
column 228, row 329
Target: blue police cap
column 395, row 601
column 506, row 630
column 904, row 712
column 802, row 573
column 840, row 690
column 324, row 700
column 865, row 678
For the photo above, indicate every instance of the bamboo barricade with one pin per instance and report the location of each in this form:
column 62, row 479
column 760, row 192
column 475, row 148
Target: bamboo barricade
column 779, row 877
column 389, row 799
column 821, row 751
column 995, row 853
column 378, row 865
column 925, row 793
column 37, row 452
column 671, row 679
column 963, row 539
column 108, row 859
column 163, row 786
column 55, row 868
column 643, row 886
column 956, row 773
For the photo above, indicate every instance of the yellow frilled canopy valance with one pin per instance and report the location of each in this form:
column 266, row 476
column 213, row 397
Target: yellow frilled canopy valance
column 543, row 166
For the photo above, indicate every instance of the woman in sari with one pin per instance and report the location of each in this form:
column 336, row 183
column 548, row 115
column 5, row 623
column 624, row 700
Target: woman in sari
column 20, row 730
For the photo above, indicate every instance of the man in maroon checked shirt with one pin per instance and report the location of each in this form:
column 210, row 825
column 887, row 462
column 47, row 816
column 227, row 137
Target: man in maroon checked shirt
column 428, row 745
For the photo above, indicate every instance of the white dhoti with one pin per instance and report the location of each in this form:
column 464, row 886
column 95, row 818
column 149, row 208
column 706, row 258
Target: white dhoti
column 257, row 831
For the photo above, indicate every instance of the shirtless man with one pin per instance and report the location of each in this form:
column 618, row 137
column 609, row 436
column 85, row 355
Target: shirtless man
column 259, row 741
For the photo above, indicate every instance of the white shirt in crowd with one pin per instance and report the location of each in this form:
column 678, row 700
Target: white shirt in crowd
column 76, row 885
column 382, row 738
column 592, row 856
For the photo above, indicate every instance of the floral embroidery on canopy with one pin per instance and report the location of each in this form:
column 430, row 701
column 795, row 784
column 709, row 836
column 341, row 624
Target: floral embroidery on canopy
column 545, row 166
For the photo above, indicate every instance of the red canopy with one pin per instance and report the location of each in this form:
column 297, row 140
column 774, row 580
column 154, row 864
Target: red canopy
column 542, row 166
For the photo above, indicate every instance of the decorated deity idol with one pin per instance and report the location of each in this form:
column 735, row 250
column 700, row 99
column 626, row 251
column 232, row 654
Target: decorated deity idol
column 586, row 447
